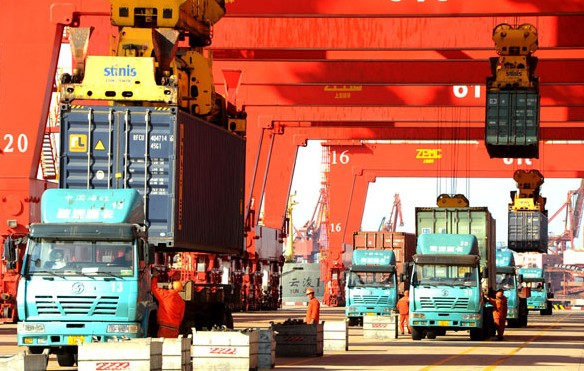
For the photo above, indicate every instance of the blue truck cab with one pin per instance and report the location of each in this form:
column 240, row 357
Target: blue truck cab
column 508, row 280
column 371, row 285
column 540, row 292
column 85, row 276
column 446, row 290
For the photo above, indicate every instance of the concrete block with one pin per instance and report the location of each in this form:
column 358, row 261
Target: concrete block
column 380, row 327
column 24, row 361
column 336, row 336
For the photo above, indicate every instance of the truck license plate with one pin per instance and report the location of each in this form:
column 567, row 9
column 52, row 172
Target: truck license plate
column 443, row 323
column 74, row 340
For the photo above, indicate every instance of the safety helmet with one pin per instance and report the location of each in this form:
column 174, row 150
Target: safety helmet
column 309, row 290
column 177, row 286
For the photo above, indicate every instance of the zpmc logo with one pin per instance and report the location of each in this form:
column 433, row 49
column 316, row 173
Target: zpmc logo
column 428, row 155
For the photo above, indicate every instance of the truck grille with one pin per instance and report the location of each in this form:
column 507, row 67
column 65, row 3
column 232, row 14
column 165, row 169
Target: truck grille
column 370, row 300
column 441, row 303
column 77, row 305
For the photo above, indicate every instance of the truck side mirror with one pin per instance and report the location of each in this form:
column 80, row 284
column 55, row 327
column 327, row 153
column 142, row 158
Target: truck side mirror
column 520, row 278
column 485, row 273
column 10, row 253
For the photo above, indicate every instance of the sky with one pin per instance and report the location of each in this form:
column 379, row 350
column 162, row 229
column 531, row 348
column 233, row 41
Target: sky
column 422, row 192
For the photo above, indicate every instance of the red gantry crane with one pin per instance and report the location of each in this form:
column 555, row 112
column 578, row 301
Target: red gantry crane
column 573, row 218
column 394, row 216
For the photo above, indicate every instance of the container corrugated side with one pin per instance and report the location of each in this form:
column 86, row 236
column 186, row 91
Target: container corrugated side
column 528, row 231
column 403, row 245
column 477, row 221
column 512, row 124
column 190, row 173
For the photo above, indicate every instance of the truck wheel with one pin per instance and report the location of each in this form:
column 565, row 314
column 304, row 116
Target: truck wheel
column 513, row 322
column 548, row 311
column 417, row 333
column 66, row 359
column 523, row 313
column 353, row 321
column 476, row 334
column 35, row 350
column 431, row 335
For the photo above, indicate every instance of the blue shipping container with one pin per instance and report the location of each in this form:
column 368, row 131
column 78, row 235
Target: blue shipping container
column 190, row 173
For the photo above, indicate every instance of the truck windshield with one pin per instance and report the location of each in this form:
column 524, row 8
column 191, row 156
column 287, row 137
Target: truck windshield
column 370, row 279
column 535, row 286
column 80, row 257
column 505, row 281
column 449, row 275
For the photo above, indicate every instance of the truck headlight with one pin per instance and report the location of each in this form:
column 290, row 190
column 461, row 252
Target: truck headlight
column 31, row 328
column 418, row 315
column 474, row 316
column 123, row 329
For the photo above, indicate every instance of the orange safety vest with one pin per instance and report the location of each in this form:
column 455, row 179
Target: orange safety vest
column 313, row 311
column 171, row 310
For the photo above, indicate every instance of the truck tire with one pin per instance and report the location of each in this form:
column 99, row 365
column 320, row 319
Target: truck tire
column 417, row 333
column 523, row 313
column 36, row 350
column 548, row 311
column 431, row 335
column 66, row 359
column 353, row 321
column 476, row 334
column 513, row 322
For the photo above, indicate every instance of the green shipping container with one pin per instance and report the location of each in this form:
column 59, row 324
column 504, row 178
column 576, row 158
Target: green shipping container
column 477, row 221
column 512, row 124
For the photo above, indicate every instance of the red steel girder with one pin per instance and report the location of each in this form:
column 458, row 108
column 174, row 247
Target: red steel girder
column 398, row 116
column 275, row 190
column 359, row 72
column 397, row 8
column 360, row 164
column 264, row 55
column 390, row 95
column 250, row 37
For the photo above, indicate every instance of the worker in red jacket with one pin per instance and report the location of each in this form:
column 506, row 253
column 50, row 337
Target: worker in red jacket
column 499, row 312
column 171, row 308
column 403, row 307
column 313, row 310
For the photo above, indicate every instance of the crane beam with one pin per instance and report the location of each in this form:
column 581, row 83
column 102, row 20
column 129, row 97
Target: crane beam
column 260, row 37
column 365, row 72
column 306, row 94
column 398, row 8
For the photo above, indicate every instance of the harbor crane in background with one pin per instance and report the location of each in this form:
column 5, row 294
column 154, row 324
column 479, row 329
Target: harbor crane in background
column 396, row 214
column 573, row 218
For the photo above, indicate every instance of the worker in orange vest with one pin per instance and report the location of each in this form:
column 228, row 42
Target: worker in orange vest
column 403, row 307
column 499, row 312
column 313, row 310
column 171, row 308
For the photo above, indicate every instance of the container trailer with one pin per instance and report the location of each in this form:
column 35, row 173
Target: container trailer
column 377, row 273
column 540, row 291
column 454, row 268
column 509, row 280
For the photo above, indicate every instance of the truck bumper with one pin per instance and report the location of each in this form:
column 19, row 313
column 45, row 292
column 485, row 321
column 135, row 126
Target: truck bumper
column 360, row 312
column 57, row 334
column 446, row 320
